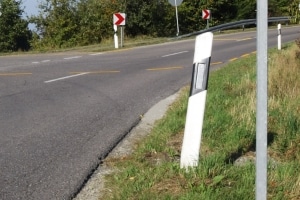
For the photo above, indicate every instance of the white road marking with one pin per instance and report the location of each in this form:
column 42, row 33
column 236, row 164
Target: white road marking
column 244, row 39
column 44, row 61
column 74, row 57
column 35, row 62
column 66, row 77
column 96, row 54
column 173, row 54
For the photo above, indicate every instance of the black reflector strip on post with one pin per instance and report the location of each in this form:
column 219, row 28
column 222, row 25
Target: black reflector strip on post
column 200, row 77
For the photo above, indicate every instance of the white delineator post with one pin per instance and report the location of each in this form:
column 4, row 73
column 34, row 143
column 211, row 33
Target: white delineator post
column 116, row 36
column 279, row 36
column 196, row 104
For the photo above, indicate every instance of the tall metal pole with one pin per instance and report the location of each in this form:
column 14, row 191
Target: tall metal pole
column 262, row 100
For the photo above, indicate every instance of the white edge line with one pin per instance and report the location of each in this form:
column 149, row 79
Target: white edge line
column 173, row 54
column 69, row 58
column 66, row 77
column 95, row 54
column 241, row 40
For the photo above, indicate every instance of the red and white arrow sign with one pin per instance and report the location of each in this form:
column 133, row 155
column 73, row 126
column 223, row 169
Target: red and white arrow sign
column 205, row 14
column 119, row 19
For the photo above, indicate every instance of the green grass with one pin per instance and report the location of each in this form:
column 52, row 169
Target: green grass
column 105, row 45
column 153, row 171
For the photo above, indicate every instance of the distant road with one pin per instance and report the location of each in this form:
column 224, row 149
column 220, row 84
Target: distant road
column 61, row 114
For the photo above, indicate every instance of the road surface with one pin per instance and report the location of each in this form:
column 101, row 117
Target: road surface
column 61, row 114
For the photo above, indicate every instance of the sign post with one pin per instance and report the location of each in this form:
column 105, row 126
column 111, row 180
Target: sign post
column 262, row 100
column 176, row 3
column 118, row 20
column 116, row 37
column 196, row 104
column 206, row 15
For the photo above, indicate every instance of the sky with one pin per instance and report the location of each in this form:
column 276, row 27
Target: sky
column 30, row 7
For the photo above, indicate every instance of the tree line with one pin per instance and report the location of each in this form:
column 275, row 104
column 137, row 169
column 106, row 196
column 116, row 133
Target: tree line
column 69, row 23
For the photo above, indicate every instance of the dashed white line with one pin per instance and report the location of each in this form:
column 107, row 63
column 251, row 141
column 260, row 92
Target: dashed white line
column 44, row 61
column 173, row 54
column 74, row 57
column 66, row 77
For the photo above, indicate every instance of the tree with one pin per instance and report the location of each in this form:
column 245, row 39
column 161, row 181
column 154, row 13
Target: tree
column 293, row 10
column 151, row 17
column 66, row 23
column 57, row 23
column 190, row 16
column 222, row 11
column 279, row 7
column 139, row 17
column 14, row 32
column 95, row 20
column 246, row 9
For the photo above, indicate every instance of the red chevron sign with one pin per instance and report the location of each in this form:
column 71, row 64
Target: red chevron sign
column 205, row 14
column 119, row 19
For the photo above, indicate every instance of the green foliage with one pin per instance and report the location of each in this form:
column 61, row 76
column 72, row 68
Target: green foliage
column 69, row 23
column 293, row 10
column 277, row 7
column 14, row 32
column 95, row 20
column 223, row 10
column 246, row 9
column 190, row 16
column 57, row 23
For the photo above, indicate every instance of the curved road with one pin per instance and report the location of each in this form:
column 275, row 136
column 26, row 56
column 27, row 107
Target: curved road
column 61, row 114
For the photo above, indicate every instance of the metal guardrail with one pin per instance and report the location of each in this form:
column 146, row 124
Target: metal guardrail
column 234, row 24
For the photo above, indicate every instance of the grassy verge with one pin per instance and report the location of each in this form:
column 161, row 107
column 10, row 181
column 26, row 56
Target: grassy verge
column 108, row 44
column 105, row 45
column 227, row 168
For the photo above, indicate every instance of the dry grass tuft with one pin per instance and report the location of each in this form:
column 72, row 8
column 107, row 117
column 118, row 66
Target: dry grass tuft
column 176, row 142
column 172, row 186
column 246, row 105
column 284, row 73
column 296, row 190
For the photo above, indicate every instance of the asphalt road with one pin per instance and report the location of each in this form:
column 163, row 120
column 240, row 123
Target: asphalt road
column 61, row 114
